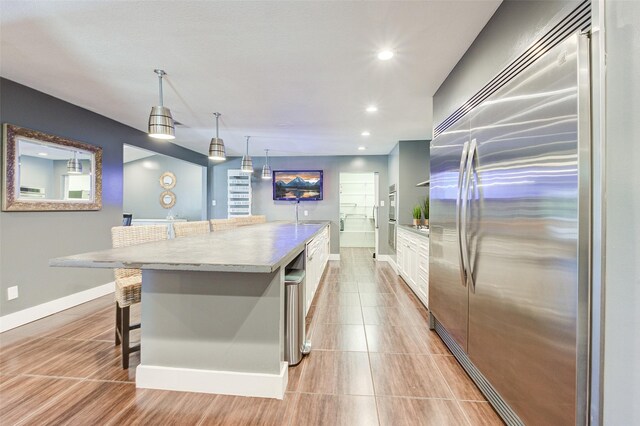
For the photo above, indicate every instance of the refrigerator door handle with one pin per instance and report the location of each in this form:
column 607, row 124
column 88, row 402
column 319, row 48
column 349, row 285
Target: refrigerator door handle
column 461, row 174
column 471, row 156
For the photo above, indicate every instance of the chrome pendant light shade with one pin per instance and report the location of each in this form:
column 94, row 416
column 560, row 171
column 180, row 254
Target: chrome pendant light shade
column 161, row 124
column 74, row 166
column 216, row 147
column 247, row 163
column 266, row 169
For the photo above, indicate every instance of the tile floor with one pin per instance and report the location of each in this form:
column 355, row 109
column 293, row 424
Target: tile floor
column 374, row 361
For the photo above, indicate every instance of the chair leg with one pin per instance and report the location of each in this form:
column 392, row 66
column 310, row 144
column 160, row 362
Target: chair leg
column 118, row 323
column 124, row 326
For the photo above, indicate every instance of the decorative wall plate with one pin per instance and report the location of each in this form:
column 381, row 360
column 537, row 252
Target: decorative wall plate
column 167, row 180
column 167, row 199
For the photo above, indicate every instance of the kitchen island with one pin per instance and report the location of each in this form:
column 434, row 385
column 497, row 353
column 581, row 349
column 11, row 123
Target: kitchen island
column 213, row 306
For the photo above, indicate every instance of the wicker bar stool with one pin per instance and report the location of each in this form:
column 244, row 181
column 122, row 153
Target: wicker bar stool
column 185, row 229
column 129, row 281
column 222, row 224
column 249, row 220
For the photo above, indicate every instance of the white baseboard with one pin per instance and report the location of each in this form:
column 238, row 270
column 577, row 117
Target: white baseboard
column 387, row 258
column 16, row 319
column 211, row 381
column 334, row 256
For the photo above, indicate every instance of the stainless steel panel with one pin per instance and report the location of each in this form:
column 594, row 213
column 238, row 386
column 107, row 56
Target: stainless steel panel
column 448, row 299
column 392, row 206
column 523, row 237
column 507, row 414
column 392, row 235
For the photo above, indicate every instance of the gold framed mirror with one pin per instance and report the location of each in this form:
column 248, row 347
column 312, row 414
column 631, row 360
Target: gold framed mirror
column 167, row 199
column 167, row 180
column 44, row 172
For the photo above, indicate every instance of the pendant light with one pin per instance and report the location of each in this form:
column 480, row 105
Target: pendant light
column 266, row 169
column 161, row 125
column 247, row 163
column 74, row 166
column 216, row 147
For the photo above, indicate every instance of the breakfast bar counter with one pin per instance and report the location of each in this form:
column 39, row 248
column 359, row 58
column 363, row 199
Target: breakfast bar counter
column 213, row 306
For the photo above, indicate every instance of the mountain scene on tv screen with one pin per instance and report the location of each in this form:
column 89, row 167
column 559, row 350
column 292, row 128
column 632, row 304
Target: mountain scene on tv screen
column 295, row 186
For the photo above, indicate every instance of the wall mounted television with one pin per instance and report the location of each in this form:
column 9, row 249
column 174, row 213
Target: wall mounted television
column 292, row 185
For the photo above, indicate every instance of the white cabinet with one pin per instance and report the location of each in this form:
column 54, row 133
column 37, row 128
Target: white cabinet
column 316, row 258
column 412, row 259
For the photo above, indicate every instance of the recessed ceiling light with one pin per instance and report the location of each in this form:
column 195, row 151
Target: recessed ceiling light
column 365, row 133
column 361, row 148
column 372, row 108
column 385, row 55
column 44, row 154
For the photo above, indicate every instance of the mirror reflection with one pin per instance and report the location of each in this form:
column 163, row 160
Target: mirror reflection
column 43, row 172
column 54, row 172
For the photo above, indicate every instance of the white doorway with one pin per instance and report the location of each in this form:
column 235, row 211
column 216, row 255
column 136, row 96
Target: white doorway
column 359, row 210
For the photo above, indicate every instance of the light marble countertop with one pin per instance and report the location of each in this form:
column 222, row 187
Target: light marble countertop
column 413, row 229
column 257, row 248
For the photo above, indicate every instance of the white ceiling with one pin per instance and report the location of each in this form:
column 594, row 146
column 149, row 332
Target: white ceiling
column 296, row 76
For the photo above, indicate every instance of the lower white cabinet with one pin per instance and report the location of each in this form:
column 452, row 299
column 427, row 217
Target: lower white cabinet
column 412, row 260
column 316, row 258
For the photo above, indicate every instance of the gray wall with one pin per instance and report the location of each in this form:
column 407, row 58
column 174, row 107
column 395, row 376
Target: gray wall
column 142, row 188
column 327, row 209
column 512, row 29
column 29, row 239
column 413, row 168
column 622, row 216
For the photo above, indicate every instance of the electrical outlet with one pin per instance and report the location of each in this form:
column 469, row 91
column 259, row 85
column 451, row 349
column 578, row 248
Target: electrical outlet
column 213, row 203
column 381, row 203
column 306, row 212
column 12, row 292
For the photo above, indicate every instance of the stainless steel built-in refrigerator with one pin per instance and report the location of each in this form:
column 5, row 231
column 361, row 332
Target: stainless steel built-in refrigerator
column 510, row 239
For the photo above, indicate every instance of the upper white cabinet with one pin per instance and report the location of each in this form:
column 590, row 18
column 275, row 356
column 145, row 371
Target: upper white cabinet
column 413, row 262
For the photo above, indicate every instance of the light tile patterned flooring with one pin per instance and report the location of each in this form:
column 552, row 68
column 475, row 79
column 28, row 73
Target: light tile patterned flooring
column 374, row 361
